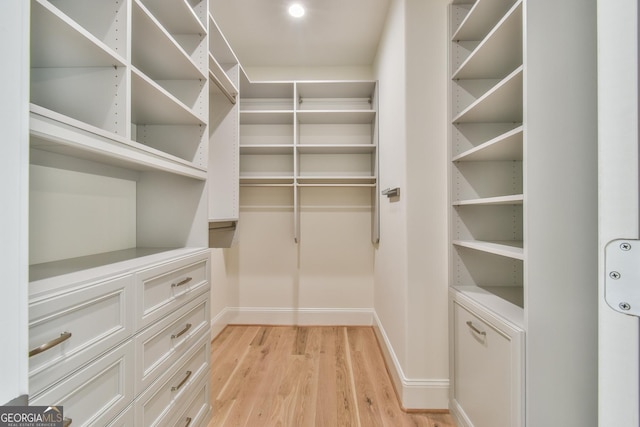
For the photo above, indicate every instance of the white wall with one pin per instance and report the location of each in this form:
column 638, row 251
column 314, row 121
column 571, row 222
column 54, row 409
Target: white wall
column 411, row 288
column 325, row 278
column 14, row 160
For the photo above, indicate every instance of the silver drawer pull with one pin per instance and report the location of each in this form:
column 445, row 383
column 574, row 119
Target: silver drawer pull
column 476, row 330
column 181, row 283
column 184, row 380
column 186, row 328
column 188, row 422
column 66, row 422
column 46, row 346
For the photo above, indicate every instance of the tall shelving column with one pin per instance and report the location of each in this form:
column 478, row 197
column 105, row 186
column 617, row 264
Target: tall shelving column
column 486, row 148
column 224, row 161
column 336, row 141
column 487, row 220
column 524, row 211
column 267, row 139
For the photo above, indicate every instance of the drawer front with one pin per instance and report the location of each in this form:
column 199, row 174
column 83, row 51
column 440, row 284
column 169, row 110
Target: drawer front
column 97, row 393
column 198, row 407
column 162, row 399
column 483, row 370
column 125, row 419
column 159, row 346
column 163, row 288
column 97, row 317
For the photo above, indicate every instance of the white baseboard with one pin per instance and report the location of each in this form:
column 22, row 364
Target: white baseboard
column 413, row 393
column 288, row 316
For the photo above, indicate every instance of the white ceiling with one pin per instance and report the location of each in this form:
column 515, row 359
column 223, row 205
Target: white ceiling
column 332, row 32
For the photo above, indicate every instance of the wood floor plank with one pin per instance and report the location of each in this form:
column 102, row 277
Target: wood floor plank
column 327, row 400
column 295, row 376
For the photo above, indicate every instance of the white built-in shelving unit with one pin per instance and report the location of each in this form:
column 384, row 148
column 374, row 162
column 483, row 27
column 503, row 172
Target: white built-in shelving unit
column 487, row 198
column 224, row 155
column 522, row 184
column 302, row 134
column 487, row 144
column 119, row 113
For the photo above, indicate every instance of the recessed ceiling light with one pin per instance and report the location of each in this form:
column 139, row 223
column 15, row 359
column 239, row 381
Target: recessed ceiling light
column 296, row 10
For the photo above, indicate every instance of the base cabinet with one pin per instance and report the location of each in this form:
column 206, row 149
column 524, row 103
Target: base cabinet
column 488, row 367
column 124, row 375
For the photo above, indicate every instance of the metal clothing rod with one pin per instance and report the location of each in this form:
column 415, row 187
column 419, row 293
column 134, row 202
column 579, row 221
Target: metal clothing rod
column 224, row 90
column 226, row 227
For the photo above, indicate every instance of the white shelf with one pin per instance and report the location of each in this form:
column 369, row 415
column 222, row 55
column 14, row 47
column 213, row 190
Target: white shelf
column 505, row 248
column 56, row 275
column 335, row 148
column 336, row 180
column 502, row 103
column 286, row 181
column 507, row 146
column 267, row 149
column 515, row 199
column 505, row 301
column 54, row 132
column 481, row 18
column 156, row 53
column 335, row 89
column 58, row 41
column 499, row 53
column 176, row 16
column 219, row 46
column 336, row 117
column 152, row 104
column 266, row 117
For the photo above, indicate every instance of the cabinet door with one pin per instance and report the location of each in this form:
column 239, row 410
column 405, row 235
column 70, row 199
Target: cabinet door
column 485, row 384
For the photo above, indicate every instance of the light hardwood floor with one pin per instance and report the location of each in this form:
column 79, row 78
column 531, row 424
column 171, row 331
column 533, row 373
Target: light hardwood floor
column 294, row 376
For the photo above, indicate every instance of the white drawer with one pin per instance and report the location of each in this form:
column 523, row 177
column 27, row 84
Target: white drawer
column 160, row 401
column 487, row 369
column 97, row 393
column 125, row 419
column 163, row 288
column 198, row 407
column 98, row 317
column 160, row 345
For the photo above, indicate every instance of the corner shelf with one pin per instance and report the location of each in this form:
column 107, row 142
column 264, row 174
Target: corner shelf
column 506, row 248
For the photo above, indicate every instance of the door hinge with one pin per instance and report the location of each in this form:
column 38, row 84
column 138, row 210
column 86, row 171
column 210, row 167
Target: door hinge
column 622, row 275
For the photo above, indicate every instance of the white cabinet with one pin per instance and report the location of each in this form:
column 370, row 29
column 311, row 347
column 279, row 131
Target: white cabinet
column 488, row 365
column 78, row 322
column 523, row 206
column 306, row 134
column 118, row 242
